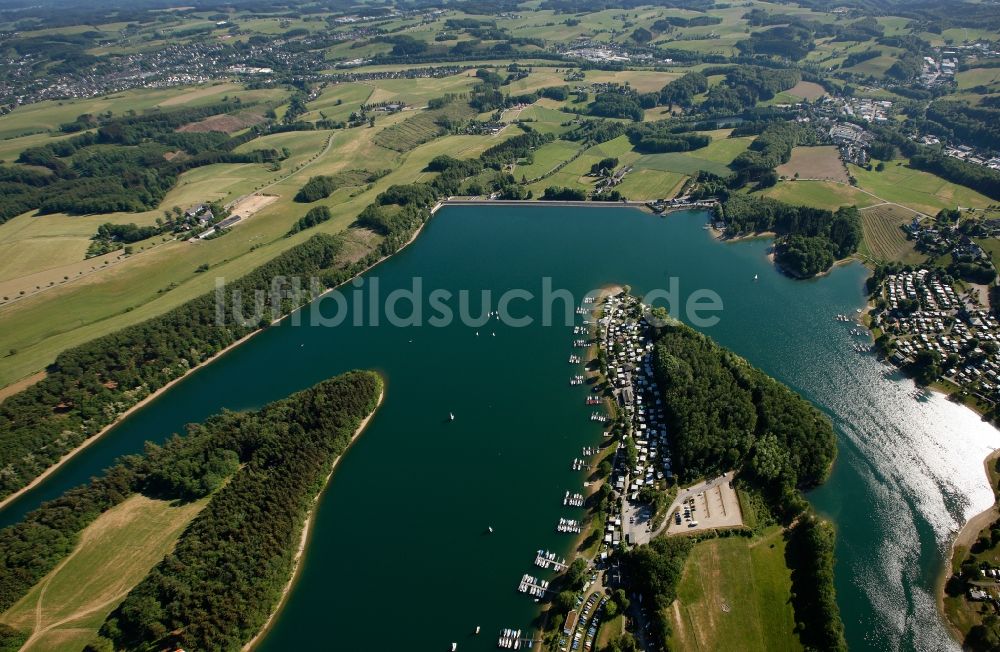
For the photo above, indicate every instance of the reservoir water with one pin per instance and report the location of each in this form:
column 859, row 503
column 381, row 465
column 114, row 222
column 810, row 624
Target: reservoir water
column 399, row 556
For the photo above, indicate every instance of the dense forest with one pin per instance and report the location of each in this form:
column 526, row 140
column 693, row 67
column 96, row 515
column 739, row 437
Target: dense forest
column 725, row 414
column 967, row 123
column 237, row 555
column 275, row 459
column 817, row 237
column 315, row 215
column 653, row 137
column 804, row 256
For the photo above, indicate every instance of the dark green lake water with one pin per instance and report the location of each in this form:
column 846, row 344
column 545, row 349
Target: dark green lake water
column 399, row 557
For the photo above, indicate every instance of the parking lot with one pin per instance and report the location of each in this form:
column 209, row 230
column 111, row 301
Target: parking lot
column 705, row 506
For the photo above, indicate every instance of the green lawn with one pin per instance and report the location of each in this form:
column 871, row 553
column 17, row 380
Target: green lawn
column 977, row 77
column 820, row 194
column 651, row 184
column 921, row 191
column 546, row 158
column 714, row 158
column 350, row 96
column 735, row 594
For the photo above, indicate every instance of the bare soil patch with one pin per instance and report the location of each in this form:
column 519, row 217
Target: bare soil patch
column 226, row 123
column 815, row 163
column 807, row 90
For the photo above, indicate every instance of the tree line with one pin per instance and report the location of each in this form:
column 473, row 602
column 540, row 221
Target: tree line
column 89, row 385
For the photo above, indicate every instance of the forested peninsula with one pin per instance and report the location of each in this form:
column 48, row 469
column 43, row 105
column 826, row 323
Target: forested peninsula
column 725, row 414
column 261, row 472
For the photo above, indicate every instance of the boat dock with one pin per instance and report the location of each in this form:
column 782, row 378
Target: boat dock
column 569, row 526
column 574, row 500
column 548, row 560
column 533, row 586
column 511, row 639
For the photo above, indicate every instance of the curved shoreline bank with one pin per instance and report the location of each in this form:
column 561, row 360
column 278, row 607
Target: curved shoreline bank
column 106, row 429
column 307, row 534
column 965, row 536
column 39, row 479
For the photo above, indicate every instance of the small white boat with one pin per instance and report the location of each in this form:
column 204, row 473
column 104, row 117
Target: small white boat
column 451, row 416
column 477, row 629
column 490, row 529
column 454, row 646
column 755, row 277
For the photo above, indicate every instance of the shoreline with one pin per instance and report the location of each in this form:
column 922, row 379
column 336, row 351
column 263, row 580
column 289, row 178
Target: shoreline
column 965, row 536
column 39, row 479
column 307, row 534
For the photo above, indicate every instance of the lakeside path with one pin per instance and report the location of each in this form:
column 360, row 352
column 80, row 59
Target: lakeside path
column 307, row 533
column 966, row 536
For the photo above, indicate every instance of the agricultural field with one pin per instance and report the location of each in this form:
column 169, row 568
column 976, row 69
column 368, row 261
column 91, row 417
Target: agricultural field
column 820, row 194
column 418, row 128
column 884, row 239
column 921, row 191
column 67, row 607
column 645, row 184
column 876, row 66
column 714, row 158
column 546, row 158
column 734, row 594
column 47, row 116
column 644, row 81
column 815, row 163
column 546, row 118
column 989, row 77
column 226, row 123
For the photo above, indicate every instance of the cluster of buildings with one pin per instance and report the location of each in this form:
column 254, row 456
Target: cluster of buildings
column 939, row 240
column 603, row 53
column 627, row 341
column 865, row 108
column 196, row 61
column 853, row 142
column 937, row 72
column 922, row 312
column 973, row 155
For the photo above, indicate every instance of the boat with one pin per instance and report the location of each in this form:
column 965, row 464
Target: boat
column 454, row 646
column 490, row 529
column 451, row 416
column 477, row 629
column 755, row 277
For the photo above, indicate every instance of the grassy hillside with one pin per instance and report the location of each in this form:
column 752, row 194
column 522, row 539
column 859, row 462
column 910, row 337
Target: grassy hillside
column 65, row 610
column 735, row 595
